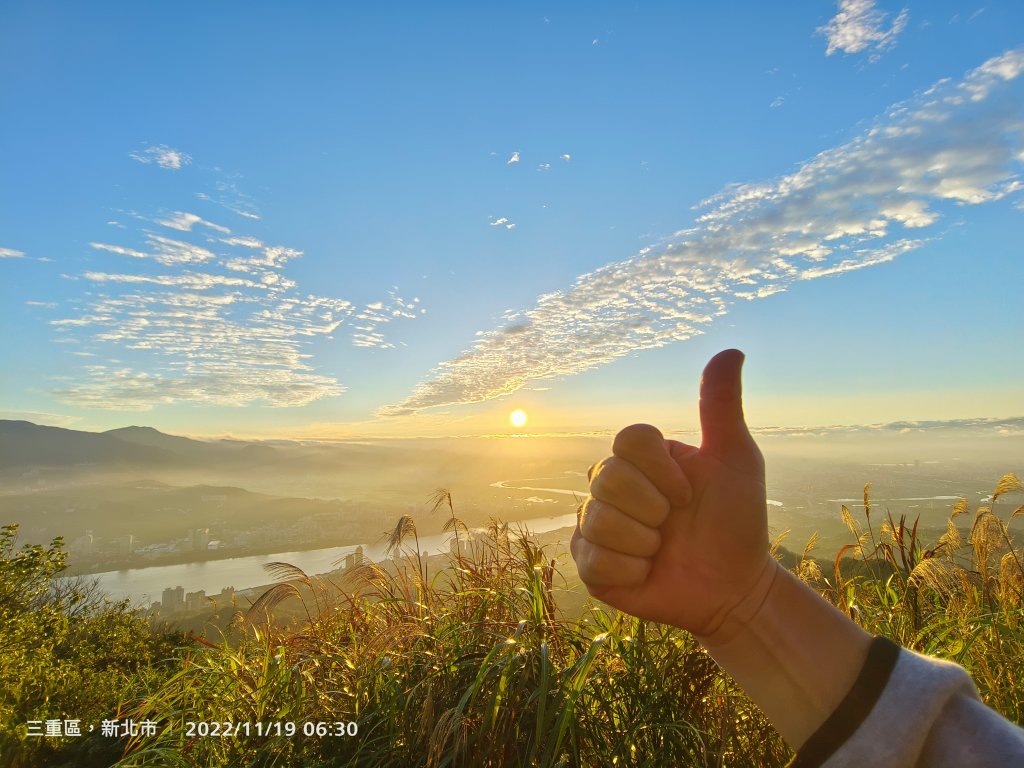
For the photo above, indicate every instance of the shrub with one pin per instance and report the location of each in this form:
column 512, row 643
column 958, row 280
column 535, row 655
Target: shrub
column 69, row 654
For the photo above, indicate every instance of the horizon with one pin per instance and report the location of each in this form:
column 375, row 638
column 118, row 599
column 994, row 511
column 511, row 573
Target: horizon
column 414, row 227
column 1011, row 427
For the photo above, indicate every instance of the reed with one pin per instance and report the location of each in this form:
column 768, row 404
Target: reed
column 468, row 660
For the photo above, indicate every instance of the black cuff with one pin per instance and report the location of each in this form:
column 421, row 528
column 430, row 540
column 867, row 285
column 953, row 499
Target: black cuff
column 853, row 709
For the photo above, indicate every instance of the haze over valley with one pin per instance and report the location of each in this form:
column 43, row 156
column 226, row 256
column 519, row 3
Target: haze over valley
column 135, row 497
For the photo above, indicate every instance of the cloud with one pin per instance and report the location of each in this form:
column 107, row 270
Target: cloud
column 503, row 222
column 982, row 425
column 858, row 26
column 191, row 280
column 513, row 159
column 164, row 251
column 185, row 221
column 218, row 324
column 247, row 242
column 229, row 197
column 566, row 157
column 120, row 250
column 40, row 417
column 370, row 317
column 203, row 344
column 133, row 390
column 273, row 257
column 163, row 156
column 10, row 253
column 852, row 207
column 777, row 102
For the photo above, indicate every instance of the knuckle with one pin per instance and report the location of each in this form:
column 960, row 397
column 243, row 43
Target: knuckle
column 597, row 562
column 634, row 437
column 608, row 473
column 652, row 544
column 595, row 521
column 659, row 507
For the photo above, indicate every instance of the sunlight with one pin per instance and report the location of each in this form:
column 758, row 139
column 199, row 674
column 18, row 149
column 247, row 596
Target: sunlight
column 518, row 417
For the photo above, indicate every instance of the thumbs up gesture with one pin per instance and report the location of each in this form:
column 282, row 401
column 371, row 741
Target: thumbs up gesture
column 679, row 534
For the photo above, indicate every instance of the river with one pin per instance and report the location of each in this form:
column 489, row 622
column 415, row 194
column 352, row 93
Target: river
column 146, row 585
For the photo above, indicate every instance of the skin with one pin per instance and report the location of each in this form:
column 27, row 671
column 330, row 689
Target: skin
column 674, row 533
column 678, row 534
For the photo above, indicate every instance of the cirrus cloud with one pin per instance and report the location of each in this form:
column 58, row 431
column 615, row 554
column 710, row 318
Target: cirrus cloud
column 859, row 25
column 851, row 207
column 163, row 156
column 217, row 323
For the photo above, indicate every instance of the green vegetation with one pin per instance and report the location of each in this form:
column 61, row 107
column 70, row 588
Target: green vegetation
column 475, row 664
column 68, row 654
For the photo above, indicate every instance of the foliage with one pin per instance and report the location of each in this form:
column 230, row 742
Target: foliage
column 958, row 598
column 474, row 665
column 68, row 653
column 469, row 667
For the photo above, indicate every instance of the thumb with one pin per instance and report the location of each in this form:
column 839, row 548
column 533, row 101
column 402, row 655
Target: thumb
column 724, row 433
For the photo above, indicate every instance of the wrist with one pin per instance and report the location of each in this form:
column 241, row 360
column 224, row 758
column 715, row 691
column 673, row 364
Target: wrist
column 738, row 617
column 794, row 654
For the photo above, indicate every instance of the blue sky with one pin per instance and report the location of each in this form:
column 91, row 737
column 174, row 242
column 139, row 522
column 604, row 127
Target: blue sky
column 308, row 220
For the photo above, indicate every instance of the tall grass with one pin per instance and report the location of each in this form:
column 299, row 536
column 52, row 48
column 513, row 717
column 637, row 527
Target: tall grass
column 473, row 664
column 470, row 666
column 958, row 597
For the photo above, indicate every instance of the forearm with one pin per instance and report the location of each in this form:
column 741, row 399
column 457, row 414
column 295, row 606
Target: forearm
column 793, row 653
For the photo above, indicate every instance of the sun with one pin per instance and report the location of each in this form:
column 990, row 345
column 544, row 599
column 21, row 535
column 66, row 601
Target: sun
column 518, row 417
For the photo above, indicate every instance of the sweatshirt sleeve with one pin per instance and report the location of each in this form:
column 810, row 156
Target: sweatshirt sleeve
column 910, row 710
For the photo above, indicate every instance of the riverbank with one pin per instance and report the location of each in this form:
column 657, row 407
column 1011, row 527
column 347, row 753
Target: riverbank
column 145, row 585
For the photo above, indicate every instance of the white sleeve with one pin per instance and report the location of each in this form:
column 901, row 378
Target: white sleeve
column 913, row 711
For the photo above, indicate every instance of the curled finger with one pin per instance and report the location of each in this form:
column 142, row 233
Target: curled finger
column 617, row 482
column 602, row 567
column 608, row 526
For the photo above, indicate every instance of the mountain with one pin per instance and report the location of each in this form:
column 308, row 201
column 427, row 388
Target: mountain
column 256, row 454
column 23, row 443
column 232, row 452
column 156, row 439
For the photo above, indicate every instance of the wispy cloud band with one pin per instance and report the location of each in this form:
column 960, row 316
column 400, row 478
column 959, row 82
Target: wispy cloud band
column 218, row 323
column 163, row 156
column 849, row 208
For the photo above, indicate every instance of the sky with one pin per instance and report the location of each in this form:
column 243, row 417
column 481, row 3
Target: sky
column 318, row 220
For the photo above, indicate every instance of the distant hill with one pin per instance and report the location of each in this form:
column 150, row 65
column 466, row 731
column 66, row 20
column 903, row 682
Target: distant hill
column 154, row 438
column 226, row 451
column 23, row 443
column 256, row 454
column 157, row 512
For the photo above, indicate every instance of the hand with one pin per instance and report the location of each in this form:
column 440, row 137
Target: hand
column 679, row 534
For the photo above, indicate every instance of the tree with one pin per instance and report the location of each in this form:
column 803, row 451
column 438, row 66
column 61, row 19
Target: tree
column 70, row 654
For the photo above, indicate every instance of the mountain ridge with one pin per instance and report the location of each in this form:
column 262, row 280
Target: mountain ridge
column 24, row 443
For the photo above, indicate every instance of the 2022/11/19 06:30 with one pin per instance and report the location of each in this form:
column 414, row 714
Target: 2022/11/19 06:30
column 227, row 728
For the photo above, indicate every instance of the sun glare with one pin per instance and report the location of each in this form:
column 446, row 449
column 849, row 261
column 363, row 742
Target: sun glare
column 518, row 417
